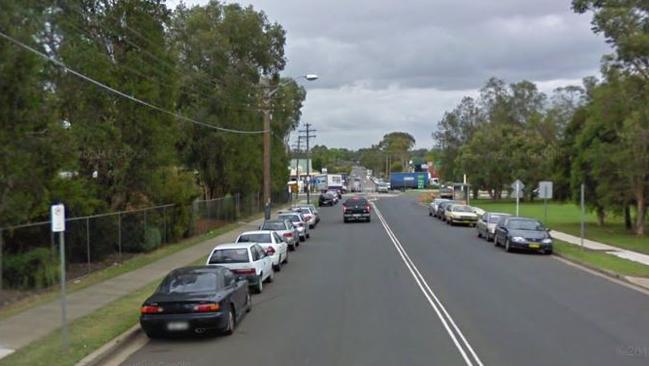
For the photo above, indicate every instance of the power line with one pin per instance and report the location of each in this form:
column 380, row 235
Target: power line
column 120, row 93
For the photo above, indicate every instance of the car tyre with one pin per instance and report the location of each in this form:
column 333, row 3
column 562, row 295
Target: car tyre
column 291, row 247
column 231, row 322
column 308, row 236
column 248, row 302
column 259, row 288
column 496, row 244
column 508, row 247
column 547, row 252
column 479, row 234
column 153, row 335
column 277, row 268
column 302, row 238
column 430, row 213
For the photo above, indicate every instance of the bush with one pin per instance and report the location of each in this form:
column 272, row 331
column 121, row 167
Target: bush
column 34, row 269
column 152, row 239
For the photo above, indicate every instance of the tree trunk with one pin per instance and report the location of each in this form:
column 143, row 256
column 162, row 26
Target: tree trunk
column 601, row 215
column 628, row 224
column 641, row 213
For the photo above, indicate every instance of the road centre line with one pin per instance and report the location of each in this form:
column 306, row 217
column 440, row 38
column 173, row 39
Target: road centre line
column 433, row 300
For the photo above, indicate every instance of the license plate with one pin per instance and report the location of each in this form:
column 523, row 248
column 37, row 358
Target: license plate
column 357, row 215
column 534, row 246
column 177, row 326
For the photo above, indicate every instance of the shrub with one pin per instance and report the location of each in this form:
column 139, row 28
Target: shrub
column 34, row 269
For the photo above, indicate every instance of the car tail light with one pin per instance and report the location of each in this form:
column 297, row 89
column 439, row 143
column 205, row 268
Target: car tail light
column 245, row 271
column 270, row 251
column 207, row 308
column 288, row 235
column 150, row 309
column 367, row 208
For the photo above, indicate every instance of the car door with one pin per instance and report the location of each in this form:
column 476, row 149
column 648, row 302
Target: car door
column 499, row 236
column 265, row 261
column 482, row 224
column 283, row 247
column 234, row 287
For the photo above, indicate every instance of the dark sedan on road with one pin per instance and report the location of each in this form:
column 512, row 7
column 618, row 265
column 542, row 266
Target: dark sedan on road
column 356, row 209
column 196, row 300
column 522, row 233
column 326, row 199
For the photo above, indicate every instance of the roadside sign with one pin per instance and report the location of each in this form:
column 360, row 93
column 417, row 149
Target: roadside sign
column 517, row 187
column 57, row 213
column 420, row 181
column 545, row 190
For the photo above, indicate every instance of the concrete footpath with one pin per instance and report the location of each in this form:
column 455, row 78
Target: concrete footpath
column 32, row 324
column 609, row 249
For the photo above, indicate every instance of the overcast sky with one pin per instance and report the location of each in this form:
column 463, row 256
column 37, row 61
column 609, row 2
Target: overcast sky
column 388, row 65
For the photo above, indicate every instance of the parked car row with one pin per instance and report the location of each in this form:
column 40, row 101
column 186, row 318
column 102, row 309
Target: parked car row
column 214, row 297
column 510, row 232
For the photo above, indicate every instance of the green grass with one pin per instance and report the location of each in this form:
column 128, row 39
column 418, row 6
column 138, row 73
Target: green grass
column 565, row 217
column 596, row 259
column 84, row 334
column 114, row 271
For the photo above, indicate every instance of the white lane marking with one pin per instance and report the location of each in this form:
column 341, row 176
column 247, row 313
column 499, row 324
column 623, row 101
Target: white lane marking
column 433, row 300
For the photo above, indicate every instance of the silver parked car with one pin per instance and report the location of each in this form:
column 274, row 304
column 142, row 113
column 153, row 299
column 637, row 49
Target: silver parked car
column 285, row 229
column 432, row 207
column 486, row 225
column 298, row 221
column 310, row 217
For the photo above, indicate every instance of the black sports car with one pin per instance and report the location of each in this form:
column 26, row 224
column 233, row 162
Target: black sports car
column 196, row 300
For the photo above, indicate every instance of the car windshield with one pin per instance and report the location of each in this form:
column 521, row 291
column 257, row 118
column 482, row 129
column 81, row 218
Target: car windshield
column 255, row 238
column 462, row 209
column 275, row 225
column 292, row 218
column 525, row 225
column 223, row 256
column 356, row 202
column 189, row 282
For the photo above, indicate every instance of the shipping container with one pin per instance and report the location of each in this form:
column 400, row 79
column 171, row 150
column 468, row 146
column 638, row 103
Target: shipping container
column 409, row 180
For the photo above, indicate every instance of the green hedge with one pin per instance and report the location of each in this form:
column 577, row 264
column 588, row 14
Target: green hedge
column 37, row 268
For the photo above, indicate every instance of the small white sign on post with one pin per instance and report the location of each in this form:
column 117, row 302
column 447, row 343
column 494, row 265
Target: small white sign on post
column 57, row 213
column 545, row 190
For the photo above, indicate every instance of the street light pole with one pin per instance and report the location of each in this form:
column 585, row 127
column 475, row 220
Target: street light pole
column 267, row 98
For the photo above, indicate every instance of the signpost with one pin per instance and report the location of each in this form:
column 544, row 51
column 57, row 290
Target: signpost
column 518, row 186
column 545, row 192
column 57, row 218
column 583, row 213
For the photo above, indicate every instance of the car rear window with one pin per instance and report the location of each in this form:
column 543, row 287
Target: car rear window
column 494, row 219
column 273, row 226
column 293, row 218
column 222, row 256
column 462, row 209
column 255, row 238
column 189, row 282
column 356, row 201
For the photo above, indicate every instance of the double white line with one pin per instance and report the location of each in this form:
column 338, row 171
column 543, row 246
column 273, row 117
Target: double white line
column 454, row 332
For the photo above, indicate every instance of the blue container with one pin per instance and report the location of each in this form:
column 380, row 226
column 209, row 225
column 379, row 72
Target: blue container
column 409, row 180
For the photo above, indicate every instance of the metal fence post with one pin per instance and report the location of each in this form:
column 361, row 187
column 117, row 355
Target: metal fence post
column 119, row 234
column 88, row 242
column 144, row 228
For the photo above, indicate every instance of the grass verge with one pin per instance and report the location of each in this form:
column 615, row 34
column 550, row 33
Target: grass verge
column 565, row 217
column 114, row 271
column 600, row 260
column 84, row 335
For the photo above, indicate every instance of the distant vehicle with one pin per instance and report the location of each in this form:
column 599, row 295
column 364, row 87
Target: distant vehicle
column 460, row 214
column 308, row 215
column 314, row 210
column 382, row 188
column 356, row 185
column 441, row 207
column 446, row 192
column 356, row 208
column 298, row 221
column 326, row 199
column 514, row 232
column 337, row 194
column 285, row 229
column 486, row 225
column 408, row 180
column 245, row 259
column 274, row 246
column 196, row 300
column 335, row 181
column 432, row 207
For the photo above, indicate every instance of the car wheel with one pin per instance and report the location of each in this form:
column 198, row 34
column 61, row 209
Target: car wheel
column 302, row 238
column 369, row 219
column 496, row 244
column 291, row 247
column 271, row 277
column 479, row 233
column 277, row 268
column 548, row 252
column 345, row 221
column 508, row 247
column 231, row 322
column 260, row 284
column 430, row 214
column 308, row 236
column 248, row 302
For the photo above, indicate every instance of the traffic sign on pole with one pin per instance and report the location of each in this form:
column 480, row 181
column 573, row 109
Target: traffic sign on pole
column 57, row 218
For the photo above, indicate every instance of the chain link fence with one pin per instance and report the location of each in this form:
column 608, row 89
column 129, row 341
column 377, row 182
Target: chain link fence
column 29, row 253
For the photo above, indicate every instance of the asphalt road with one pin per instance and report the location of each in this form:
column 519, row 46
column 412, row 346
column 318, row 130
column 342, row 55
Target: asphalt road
column 347, row 297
